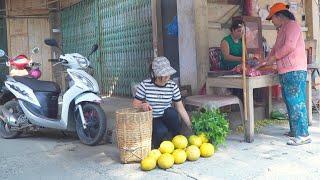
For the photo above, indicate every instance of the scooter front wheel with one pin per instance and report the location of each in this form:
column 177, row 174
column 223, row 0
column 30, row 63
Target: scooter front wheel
column 95, row 127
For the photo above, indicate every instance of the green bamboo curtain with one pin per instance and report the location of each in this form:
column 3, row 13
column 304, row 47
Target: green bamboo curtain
column 123, row 31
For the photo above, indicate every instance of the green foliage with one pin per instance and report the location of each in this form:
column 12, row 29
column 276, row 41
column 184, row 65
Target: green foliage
column 213, row 123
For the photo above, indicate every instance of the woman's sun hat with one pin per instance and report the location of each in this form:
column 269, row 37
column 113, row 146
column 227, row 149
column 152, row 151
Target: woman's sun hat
column 161, row 67
column 276, row 8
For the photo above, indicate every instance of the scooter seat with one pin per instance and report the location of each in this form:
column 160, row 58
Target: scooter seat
column 37, row 85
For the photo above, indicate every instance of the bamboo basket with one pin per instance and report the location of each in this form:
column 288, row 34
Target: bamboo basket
column 134, row 132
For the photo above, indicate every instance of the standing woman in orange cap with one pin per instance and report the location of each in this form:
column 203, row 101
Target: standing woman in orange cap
column 290, row 57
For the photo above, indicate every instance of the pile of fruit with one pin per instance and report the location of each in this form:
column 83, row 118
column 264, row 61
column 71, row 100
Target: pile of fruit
column 178, row 151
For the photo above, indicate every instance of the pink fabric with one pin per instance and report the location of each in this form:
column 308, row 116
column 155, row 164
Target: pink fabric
column 214, row 58
column 251, row 72
column 203, row 90
column 289, row 49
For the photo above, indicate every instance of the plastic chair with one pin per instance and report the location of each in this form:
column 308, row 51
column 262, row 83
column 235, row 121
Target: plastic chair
column 214, row 101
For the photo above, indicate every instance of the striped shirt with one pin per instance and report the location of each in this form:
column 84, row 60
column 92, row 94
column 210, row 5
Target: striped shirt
column 159, row 97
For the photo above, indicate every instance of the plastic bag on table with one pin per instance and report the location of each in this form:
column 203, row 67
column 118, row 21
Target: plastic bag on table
column 250, row 71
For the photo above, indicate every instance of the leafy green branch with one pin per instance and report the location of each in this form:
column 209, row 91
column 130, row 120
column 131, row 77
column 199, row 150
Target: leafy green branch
column 212, row 123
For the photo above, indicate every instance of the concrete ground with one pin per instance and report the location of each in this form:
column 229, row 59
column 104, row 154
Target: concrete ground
column 54, row 155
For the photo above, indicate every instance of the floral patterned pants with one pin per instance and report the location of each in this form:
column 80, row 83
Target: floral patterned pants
column 294, row 95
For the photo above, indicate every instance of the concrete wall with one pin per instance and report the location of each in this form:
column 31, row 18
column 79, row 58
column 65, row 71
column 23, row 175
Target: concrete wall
column 193, row 42
column 219, row 16
column 187, row 44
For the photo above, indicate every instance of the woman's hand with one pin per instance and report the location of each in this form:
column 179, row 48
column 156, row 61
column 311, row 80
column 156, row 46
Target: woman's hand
column 146, row 106
column 270, row 60
column 261, row 64
column 141, row 104
column 189, row 125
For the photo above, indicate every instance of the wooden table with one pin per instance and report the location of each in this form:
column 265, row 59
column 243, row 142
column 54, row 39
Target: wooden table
column 235, row 81
column 313, row 69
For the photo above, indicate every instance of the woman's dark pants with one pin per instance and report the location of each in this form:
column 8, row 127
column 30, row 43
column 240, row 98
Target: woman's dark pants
column 163, row 127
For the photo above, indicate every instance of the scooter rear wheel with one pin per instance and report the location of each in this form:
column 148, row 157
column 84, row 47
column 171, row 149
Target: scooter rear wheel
column 96, row 124
column 5, row 96
column 5, row 129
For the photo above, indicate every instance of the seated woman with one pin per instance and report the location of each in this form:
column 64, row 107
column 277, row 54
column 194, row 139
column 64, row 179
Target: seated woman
column 157, row 94
column 231, row 47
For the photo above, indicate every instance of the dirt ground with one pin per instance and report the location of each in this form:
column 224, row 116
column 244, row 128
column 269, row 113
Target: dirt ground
column 54, row 155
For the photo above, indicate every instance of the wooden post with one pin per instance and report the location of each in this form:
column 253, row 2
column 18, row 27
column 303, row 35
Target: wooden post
column 244, row 79
column 312, row 23
column 248, row 7
column 244, row 83
column 154, row 27
column 157, row 28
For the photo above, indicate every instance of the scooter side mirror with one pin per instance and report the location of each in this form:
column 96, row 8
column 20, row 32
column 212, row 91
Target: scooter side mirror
column 35, row 50
column 94, row 49
column 2, row 53
column 54, row 43
column 51, row 42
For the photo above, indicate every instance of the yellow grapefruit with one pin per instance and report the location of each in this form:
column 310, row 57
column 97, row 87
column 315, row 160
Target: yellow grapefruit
column 165, row 161
column 195, row 140
column 166, row 147
column 193, row 153
column 179, row 156
column 180, row 142
column 148, row 164
column 206, row 150
column 203, row 137
column 155, row 153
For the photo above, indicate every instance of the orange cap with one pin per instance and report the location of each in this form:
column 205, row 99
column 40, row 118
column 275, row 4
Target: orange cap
column 276, row 8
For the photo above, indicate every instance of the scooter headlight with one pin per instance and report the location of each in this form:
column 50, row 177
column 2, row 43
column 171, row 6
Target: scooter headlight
column 82, row 80
column 82, row 61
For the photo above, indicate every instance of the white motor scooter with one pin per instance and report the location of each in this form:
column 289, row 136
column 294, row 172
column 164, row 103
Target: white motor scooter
column 36, row 102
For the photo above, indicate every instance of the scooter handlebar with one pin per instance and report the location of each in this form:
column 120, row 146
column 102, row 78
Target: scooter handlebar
column 53, row 60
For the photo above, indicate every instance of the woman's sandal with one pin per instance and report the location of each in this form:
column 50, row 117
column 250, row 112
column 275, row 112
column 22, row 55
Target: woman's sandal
column 299, row 141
